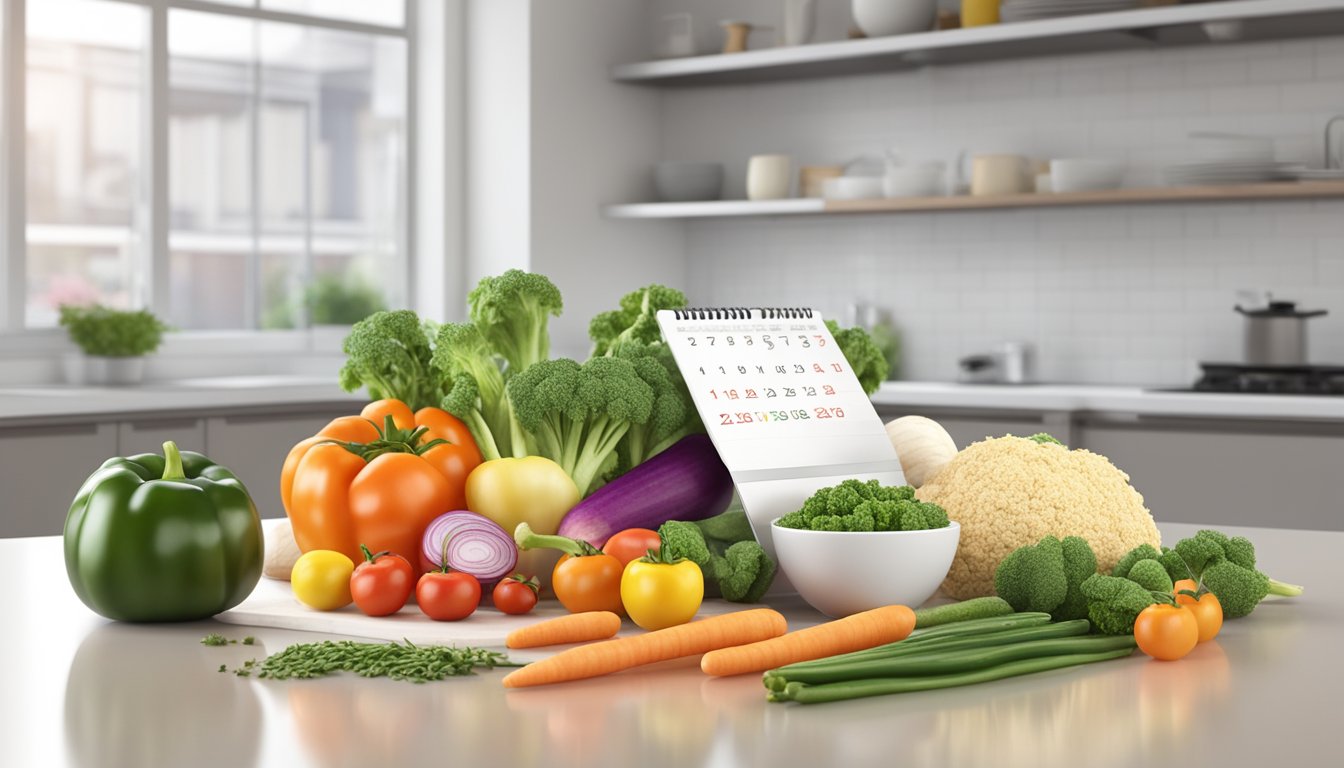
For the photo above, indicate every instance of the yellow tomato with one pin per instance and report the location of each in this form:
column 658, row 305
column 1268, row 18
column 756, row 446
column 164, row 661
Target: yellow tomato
column 321, row 579
column 661, row 595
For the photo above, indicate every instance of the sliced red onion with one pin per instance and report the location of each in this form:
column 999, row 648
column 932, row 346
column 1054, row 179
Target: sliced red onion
column 476, row 545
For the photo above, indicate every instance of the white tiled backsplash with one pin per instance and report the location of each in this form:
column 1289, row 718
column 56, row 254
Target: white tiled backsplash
column 1133, row 294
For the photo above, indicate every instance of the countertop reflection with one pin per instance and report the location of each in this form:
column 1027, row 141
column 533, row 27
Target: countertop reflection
column 85, row 692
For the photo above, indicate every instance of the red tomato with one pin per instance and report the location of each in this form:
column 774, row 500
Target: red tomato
column 515, row 594
column 632, row 544
column 1166, row 632
column 381, row 584
column 448, row 596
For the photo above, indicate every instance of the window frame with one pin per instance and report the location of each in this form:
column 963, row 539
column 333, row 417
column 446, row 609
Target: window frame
column 18, row 340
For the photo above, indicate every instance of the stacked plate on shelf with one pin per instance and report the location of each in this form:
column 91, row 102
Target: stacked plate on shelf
column 1229, row 158
column 1028, row 10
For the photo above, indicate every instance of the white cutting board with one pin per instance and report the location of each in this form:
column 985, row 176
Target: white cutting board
column 272, row 604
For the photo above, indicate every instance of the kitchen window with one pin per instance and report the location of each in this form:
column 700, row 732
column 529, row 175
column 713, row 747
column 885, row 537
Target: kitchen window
column 232, row 165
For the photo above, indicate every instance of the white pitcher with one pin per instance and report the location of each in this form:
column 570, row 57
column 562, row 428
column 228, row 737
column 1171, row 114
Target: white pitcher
column 800, row 21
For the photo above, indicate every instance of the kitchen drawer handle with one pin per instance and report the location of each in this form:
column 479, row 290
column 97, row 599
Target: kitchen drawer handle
column 153, row 424
column 53, row 430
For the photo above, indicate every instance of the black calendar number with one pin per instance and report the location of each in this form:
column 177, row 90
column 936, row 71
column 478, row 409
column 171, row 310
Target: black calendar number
column 790, row 392
column 767, row 342
column 770, row 392
column 799, row 368
column 741, row 369
column 806, row 344
column 730, row 341
column 810, row 391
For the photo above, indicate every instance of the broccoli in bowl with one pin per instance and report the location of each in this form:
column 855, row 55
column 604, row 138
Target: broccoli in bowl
column 865, row 507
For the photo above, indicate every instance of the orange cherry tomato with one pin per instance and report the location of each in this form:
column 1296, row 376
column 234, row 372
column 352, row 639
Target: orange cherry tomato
column 337, row 499
column 588, row 583
column 1189, row 584
column 632, row 544
column 1208, row 613
column 1166, row 632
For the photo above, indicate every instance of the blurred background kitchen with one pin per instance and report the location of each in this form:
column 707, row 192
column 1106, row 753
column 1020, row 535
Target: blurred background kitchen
column 1047, row 210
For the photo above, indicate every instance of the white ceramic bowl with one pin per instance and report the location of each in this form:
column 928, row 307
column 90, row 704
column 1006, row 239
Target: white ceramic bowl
column 682, row 182
column 1084, row 174
column 878, row 18
column 914, row 181
column 841, row 573
column 852, row 188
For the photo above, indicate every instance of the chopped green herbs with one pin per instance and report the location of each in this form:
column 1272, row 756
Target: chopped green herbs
column 399, row 661
column 214, row 639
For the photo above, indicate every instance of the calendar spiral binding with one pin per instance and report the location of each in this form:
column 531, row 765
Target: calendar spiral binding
column 742, row 313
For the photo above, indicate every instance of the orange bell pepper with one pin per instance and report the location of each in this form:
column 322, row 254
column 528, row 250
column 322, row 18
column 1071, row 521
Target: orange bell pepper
column 377, row 479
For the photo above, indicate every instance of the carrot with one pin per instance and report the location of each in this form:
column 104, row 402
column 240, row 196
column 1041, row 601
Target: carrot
column 852, row 633
column 672, row 643
column 573, row 628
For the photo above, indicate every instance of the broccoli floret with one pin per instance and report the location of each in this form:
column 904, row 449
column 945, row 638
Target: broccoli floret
column 476, row 393
column 388, row 353
column 1113, row 603
column 636, row 322
column 1141, row 552
column 863, row 356
column 1226, row 567
column 513, row 312
column 922, row 516
column 1045, row 437
column 671, row 416
column 742, row 573
column 1048, row 577
column 577, row 414
column 1031, row 578
column 1150, row 575
column 1080, row 564
column 844, row 498
column 855, row 505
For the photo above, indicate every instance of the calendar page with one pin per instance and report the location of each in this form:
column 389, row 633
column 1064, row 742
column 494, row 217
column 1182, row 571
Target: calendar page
column 780, row 403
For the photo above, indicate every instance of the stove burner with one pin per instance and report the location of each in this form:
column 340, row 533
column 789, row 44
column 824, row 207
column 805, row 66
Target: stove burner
column 1271, row 379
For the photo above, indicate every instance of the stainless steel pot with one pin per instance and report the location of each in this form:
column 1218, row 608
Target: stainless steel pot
column 1277, row 333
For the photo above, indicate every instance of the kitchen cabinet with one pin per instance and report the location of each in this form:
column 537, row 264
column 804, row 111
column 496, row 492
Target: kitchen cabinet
column 254, row 446
column 149, row 434
column 41, row 468
column 1227, row 472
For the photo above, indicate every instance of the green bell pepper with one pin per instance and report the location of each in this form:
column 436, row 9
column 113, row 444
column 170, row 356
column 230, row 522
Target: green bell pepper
column 162, row 538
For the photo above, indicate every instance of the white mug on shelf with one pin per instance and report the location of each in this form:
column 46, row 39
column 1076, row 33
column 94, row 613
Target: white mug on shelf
column 768, row 177
column 999, row 174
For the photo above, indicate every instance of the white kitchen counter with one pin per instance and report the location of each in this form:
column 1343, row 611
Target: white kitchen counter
column 83, row 691
column 54, row 401
column 1128, row 400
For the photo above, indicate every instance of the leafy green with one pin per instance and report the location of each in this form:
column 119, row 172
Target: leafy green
column 863, row 355
column 389, row 353
column 107, row 332
column 636, row 322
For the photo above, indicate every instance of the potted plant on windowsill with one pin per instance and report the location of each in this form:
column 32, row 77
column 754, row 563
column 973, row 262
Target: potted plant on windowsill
column 114, row 342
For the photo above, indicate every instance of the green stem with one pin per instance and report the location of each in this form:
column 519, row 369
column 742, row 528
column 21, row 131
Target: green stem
column 527, row 539
column 1284, row 589
column 172, row 462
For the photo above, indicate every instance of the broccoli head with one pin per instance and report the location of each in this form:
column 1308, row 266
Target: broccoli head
column 742, row 573
column 671, row 417
column 1150, row 575
column 1141, row 552
column 1047, row 577
column 576, row 414
column 513, row 313
column 864, row 356
column 636, row 322
column 476, row 392
column 1113, row 603
column 388, row 353
column 1226, row 567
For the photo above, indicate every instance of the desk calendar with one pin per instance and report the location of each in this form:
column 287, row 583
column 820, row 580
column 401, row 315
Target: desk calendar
column 781, row 404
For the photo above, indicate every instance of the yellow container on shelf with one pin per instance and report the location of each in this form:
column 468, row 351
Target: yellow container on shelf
column 977, row 13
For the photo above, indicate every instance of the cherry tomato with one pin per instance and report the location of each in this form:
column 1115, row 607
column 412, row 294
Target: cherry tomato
column 632, row 544
column 1208, row 613
column 449, row 596
column 588, row 583
column 381, row 584
column 515, row 594
column 1166, row 632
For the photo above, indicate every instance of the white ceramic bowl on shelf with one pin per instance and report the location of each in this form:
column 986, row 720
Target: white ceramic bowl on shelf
column 914, row 180
column 840, row 573
column 852, row 188
column 879, row 18
column 1085, row 174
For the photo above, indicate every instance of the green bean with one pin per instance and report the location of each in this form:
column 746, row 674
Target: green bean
column 959, row 629
column 966, row 610
column 951, row 662
column 881, row 686
column 776, row 678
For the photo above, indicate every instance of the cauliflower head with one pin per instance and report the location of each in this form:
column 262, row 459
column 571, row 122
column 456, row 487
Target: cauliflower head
column 1009, row 492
